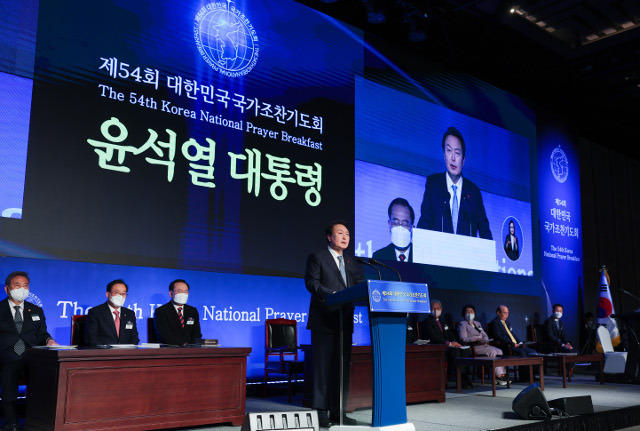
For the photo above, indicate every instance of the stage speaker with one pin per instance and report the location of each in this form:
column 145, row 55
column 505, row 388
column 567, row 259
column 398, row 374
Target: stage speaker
column 573, row 406
column 304, row 420
column 531, row 404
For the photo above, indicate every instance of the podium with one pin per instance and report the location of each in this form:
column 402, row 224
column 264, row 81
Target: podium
column 459, row 251
column 388, row 302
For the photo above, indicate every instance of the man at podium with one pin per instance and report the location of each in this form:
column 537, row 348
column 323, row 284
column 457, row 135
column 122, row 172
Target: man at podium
column 451, row 202
column 328, row 271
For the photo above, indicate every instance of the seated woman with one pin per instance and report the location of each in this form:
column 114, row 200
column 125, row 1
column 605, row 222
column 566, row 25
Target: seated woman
column 470, row 332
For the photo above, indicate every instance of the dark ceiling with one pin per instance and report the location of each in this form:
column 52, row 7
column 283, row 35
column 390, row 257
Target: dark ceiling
column 576, row 58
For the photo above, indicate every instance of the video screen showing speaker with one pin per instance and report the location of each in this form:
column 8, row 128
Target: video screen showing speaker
column 443, row 171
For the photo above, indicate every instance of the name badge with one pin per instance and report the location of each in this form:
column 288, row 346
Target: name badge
column 35, row 317
column 129, row 326
column 190, row 322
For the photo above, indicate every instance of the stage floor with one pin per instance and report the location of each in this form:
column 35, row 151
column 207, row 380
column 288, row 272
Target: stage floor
column 473, row 409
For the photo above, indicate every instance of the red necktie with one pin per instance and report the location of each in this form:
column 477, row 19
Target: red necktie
column 180, row 316
column 117, row 322
column 440, row 325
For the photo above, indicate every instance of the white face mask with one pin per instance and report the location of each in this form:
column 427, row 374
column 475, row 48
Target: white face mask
column 557, row 315
column 400, row 237
column 117, row 300
column 436, row 313
column 469, row 317
column 180, row 298
column 19, row 294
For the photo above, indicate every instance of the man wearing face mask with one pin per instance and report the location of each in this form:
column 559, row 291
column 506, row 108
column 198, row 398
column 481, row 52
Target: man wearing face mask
column 22, row 325
column 176, row 322
column 436, row 330
column 555, row 330
column 111, row 323
column 401, row 218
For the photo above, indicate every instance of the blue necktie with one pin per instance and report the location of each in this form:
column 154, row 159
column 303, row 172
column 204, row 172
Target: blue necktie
column 341, row 268
column 454, row 209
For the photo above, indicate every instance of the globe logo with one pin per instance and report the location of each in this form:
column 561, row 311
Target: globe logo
column 34, row 299
column 559, row 165
column 376, row 295
column 226, row 39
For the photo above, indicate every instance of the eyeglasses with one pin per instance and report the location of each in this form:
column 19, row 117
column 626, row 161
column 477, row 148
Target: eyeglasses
column 404, row 223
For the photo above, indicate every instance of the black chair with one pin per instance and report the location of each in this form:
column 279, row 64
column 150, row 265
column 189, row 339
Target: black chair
column 152, row 335
column 77, row 329
column 281, row 352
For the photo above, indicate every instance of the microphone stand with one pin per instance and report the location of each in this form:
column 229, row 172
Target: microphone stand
column 376, row 262
column 366, row 262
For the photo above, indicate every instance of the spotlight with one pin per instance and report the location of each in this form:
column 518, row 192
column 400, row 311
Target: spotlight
column 416, row 19
column 375, row 15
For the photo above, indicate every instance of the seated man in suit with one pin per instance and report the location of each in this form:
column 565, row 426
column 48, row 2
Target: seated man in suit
column 451, row 202
column 22, row 325
column 176, row 322
column 401, row 218
column 470, row 332
column 502, row 332
column 438, row 332
column 111, row 323
column 554, row 329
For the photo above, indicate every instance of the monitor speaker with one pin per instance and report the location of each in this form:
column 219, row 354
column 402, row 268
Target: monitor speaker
column 573, row 406
column 531, row 404
column 304, row 420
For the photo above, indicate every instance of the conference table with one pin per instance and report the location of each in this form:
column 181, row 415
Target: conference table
column 425, row 372
column 500, row 361
column 136, row 388
column 562, row 359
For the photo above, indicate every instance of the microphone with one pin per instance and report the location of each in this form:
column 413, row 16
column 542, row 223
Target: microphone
column 376, row 262
column 366, row 262
column 444, row 205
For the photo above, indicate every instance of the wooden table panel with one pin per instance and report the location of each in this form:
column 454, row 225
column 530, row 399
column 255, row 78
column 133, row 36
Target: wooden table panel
column 424, row 371
column 136, row 389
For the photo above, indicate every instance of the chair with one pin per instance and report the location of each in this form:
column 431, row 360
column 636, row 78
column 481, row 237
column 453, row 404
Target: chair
column 614, row 362
column 538, row 335
column 77, row 329
column 152, row 335
column 281, row 351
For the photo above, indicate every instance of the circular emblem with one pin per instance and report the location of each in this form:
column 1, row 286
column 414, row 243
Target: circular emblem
column 226, row 39
column 34, row 299
column 376, row 295
column 559, row 165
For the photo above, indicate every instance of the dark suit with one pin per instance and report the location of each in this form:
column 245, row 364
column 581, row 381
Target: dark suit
column 435, row 213
column 498, row 332
column 168, row 326
column 430, row 330
column 555, row 333
column 34, row 333
column 100, row 329
column 389, row 253
column 322, row 278
column 512, row 250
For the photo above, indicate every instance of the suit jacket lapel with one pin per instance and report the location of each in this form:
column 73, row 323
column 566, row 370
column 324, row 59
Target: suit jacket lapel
column 109, row 319
column 6, row 314
column 331, row 262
